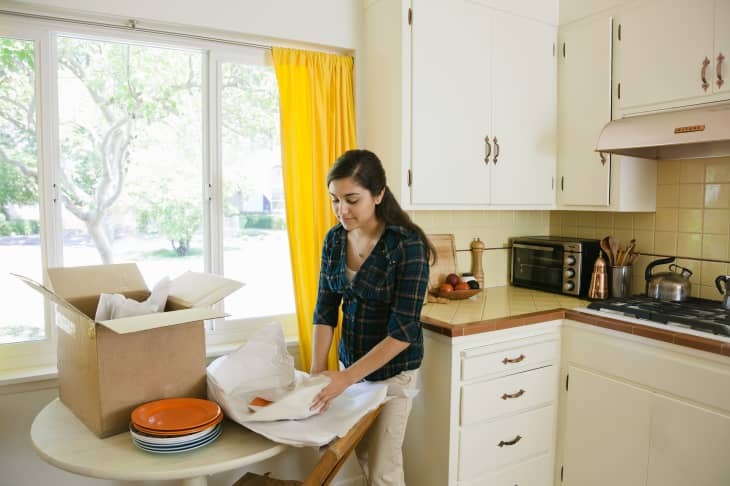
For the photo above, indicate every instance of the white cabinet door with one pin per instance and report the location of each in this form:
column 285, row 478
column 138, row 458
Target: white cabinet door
column 662, row 48
column 606, row 433
column 451, row 112
column 688, row 445
column 721, row 53
column 524, row 113
column 584, row 108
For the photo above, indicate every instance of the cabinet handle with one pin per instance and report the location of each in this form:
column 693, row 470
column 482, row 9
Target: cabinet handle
column 513, row 395
column 703, row 74
column 720, row 81
column 512, row 442
column 519, row 358
column 487, row 149
column 496, row 151
column 603, row 158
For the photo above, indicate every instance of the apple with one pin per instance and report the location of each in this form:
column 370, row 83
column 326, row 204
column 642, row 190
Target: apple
column 462, row 286
column 452, row 279
column 446, row 287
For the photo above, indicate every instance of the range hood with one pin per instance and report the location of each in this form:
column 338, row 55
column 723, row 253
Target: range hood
column 684, row 134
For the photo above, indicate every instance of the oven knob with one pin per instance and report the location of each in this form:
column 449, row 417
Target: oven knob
column 570, row 273
column 570, row 260
column 569, row 285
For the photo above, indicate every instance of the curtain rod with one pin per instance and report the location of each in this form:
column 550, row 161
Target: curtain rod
column 132, row 26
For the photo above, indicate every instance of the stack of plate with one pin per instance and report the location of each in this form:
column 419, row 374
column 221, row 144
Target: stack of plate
column 175, row 424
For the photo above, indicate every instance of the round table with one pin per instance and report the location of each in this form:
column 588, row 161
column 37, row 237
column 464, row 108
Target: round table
column 64, row 441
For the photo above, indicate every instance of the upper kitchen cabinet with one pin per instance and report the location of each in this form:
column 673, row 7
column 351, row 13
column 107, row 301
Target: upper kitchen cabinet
column 586, row 179
column 461, row 102
column 584, row 108
column 671, row 53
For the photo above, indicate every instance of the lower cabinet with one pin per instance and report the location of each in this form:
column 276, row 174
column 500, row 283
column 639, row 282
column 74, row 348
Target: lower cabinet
column 486, row 412
column 641, row 412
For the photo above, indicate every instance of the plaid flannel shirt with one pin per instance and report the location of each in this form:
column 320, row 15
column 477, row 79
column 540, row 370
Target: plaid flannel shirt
column 384, row 298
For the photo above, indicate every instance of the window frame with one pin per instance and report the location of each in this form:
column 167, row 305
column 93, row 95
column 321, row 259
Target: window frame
column 219, row 332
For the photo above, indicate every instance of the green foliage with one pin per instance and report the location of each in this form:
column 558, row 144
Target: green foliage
column 176, row 220
column 261, row 221
column 19, row 227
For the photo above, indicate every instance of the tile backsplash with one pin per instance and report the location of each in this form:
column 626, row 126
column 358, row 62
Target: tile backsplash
column 692, row 222
column 494, row 228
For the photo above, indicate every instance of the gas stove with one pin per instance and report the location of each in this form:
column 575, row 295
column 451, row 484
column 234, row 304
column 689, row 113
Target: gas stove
column 699, row 314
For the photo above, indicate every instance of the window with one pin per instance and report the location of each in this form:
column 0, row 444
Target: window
column 164, row 154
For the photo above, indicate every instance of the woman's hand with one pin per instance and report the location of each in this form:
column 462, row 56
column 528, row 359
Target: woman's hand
column 339, row 382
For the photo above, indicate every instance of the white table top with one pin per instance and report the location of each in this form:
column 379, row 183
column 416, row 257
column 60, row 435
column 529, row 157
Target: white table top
column 62, row 440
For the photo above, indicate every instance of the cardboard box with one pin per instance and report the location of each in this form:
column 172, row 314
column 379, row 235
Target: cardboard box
column 107, row 368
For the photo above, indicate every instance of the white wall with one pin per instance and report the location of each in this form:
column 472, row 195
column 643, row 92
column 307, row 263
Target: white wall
column 326, row 22
column 572, row 10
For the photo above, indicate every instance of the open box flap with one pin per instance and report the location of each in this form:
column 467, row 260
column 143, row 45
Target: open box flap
column 202, row 289
column 126, row 325
column 50, row 295
column 73, row 282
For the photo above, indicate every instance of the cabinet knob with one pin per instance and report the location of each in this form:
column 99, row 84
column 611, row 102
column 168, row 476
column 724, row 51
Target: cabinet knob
column 487, row 149
column 720, row 81
column 507, row 396
column 519, row 358
column 514, row 441
column 703, row 74
column 496, row 150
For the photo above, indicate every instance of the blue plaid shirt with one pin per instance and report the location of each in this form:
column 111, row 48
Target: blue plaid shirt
column 384, row 298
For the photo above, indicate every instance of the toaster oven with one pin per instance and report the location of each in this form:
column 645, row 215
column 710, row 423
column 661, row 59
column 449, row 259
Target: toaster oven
column 553, row 263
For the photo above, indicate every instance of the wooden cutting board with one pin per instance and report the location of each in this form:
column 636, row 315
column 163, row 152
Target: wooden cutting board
column 446, row 258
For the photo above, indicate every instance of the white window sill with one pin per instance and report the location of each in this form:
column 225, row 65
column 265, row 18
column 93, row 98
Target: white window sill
column 31, row 379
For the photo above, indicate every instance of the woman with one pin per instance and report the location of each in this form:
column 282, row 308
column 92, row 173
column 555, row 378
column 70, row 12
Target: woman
column 375, row 263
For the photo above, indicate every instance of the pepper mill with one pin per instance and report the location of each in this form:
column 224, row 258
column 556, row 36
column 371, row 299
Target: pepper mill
column 477, row 248
column 599, row 280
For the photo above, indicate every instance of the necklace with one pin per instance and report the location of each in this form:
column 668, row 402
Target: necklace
column 364, row 250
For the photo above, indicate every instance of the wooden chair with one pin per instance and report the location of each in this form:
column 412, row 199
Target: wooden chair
column 329, row 464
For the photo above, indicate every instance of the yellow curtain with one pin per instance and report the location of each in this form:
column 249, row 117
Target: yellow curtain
column 317, row 126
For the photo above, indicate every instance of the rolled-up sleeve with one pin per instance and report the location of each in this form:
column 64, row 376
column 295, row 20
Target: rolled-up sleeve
column 328, row 301
column 404, row 322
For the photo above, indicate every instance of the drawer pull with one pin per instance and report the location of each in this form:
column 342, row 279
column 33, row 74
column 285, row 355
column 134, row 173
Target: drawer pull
column 509, row 442
column 513, row 360
column 513, row 395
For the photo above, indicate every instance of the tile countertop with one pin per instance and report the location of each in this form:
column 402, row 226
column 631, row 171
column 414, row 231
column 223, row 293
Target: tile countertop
column 498, row 308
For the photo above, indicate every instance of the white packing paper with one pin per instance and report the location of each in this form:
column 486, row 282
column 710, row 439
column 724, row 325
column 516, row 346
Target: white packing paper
column 116, row 306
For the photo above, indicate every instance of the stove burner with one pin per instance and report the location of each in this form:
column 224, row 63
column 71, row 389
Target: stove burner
column 698, row 314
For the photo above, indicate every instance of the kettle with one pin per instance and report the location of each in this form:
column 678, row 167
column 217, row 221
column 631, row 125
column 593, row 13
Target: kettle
column 725, row 293
column 673, row 285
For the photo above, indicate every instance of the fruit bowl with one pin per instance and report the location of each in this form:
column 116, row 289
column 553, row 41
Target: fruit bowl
column 455, row 294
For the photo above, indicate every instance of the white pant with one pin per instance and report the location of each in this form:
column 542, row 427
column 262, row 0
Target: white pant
column 380, row 451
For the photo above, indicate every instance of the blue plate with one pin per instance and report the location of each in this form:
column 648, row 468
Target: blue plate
column 166, row 449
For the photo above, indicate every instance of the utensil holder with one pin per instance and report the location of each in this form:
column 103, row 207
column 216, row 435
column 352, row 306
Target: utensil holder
column 620, row 281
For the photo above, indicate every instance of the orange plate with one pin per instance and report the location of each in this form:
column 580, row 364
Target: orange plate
column 177, row 433
column 175, row 414
column 455, row 294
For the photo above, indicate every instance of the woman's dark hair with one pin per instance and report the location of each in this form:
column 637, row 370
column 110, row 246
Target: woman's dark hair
column 367, row 171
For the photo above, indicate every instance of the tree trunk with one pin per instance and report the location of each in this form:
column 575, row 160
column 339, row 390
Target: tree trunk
column 101, row 240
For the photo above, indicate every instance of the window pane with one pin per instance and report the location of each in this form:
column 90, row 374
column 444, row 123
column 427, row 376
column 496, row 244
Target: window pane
column 256, row 247
column 131, row 155
column 20, row 251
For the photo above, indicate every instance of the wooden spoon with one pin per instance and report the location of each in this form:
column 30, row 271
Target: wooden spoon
column 629, row 249
column 613, row 244
column 607, row 250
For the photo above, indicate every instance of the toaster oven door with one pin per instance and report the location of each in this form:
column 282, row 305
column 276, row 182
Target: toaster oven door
column 538, row 266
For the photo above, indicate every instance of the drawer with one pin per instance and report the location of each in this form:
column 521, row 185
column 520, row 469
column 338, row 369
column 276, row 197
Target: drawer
column 535, row 472
column 510, row 394
column 486, row 447
column 507, row 358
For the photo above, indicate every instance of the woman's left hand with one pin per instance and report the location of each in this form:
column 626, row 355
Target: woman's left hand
column 339, row 383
